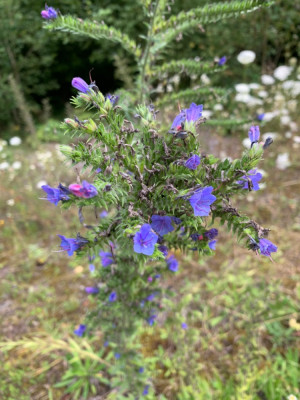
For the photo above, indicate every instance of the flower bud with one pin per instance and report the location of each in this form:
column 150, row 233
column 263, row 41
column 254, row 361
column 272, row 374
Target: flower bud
column 71, row 122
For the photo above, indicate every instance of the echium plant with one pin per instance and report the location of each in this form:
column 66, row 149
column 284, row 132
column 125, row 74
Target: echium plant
column 152, row 191
column 151, row 51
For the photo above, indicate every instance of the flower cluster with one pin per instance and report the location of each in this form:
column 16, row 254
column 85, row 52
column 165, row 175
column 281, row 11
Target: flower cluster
column 49, row 13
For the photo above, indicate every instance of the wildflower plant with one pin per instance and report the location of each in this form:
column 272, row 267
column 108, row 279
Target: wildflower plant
column 161, row 193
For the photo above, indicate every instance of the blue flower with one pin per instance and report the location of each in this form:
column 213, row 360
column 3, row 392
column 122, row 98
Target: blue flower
column 141, row 370
column 172, row 263
column 106, row 343
column 80, row 84
column 184, row 325
column 254, row 134
column 54, row 195
column 254, row 177
column 112, row 98
column 212, row 245
column 201, row 201
column 144, row 240
column 211, row 234
column 151, row 319
column 91, row 290
column 193, row 162
column 161, row 225
column 69, row 244
column 179, row 120
column 98, row 170
column 146, row 390
column 222, row 61
column 49, row 13
column 266, row 247
column 260, row 117
column 176, row 220
column 163, row 249
column 103, row 214
column 80, row 330
column 106, row 258
column 191, row 114
column 117, row 356
column 112, row 297
column 92, row 267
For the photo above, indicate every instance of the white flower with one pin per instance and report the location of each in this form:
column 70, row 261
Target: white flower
column 282, row 161
column 294, row 126
column 254, row 86
column 246, row 143
column 288, row 134
column 169, row 88
column 4, row 165
column 205, row 79
column 15, row 141
column 40, row 184
column 285, row 119
column 207, row 113
column 282, row 72
column 296, row 139
column 242, row 97
column 246, row 57
column 292, row 105
column 175, row 79
column 292, row 397
column 218, row 107
column 287, row 85
column 160, row 88
column 262, row 93
column 242, row 88
column 267, row 79
column 10, row 202
column 272, row 135
column 253, row 101
column 16, row 165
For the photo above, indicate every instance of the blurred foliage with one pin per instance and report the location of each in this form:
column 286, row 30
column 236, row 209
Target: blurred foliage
column 41, row 65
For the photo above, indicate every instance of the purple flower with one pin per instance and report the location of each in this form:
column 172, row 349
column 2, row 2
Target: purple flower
column 195, row 236
column 86, row 190
column 68, row 244
column 103, row 214
column 266, row 247
column 254, row 134
column 144, row 240
column 157, row 276
column 222, row 61
column 176, row 220
column 212, row 245
column 112, row 297
column 211, row 234
column 141, row 370
column 172, row 263
column 92, row 267
column 151, row 297
column 260, row 117
column 91, row 290
column 80, row 84
column 193, row 162
column 54, row 195
column 146, row 390
column 191, row 114
column 163, row 249
column 112, row 98
column 254, row 177
column 49, row 13
column 98, row 170
column 117, row 356
column 161, row 225
column 201, row 201
column 106, row 343
column 106, row 258
column 80, row 330
column 184, row 325
column 151, row 319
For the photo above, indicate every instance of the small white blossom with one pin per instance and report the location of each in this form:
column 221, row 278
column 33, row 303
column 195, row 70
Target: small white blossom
column 4, row 165
column 207, row 113
column 218, row 107
column 263, row 93
column 288, row 134
column 15, row 141
column 282, row 161
column 267, row 79
column 242, row 88
column 16, row 165
column 205, row 79
column 282, row 72
column 169, row 88
column 272, row 135
column 40, row 184
column 10, row 202
column 254, row 86
column 292, row 105
column 296, row 139
column 270, row 115
column 285, row 119
column 292, row 397
column 246, row 57
column 293, row 126
column 246, row 143
column 243, row 97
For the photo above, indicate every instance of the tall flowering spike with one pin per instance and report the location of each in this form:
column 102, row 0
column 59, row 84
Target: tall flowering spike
column 49, row 13
column 161, row 225
column 80, row 330
column 80, row 84
column 222, row 61
column 86, row 190
column 254, row 134
column 106, row 258
column 144, row 240
column 112, row 297
column 194, row 112
column 69, row 244
column 172, row 264
column 193, row 162
column 201, row 201
column 266, row 247
column 254, row 177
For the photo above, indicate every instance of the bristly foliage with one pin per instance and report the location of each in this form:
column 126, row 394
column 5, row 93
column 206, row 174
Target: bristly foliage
column 152, row 62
